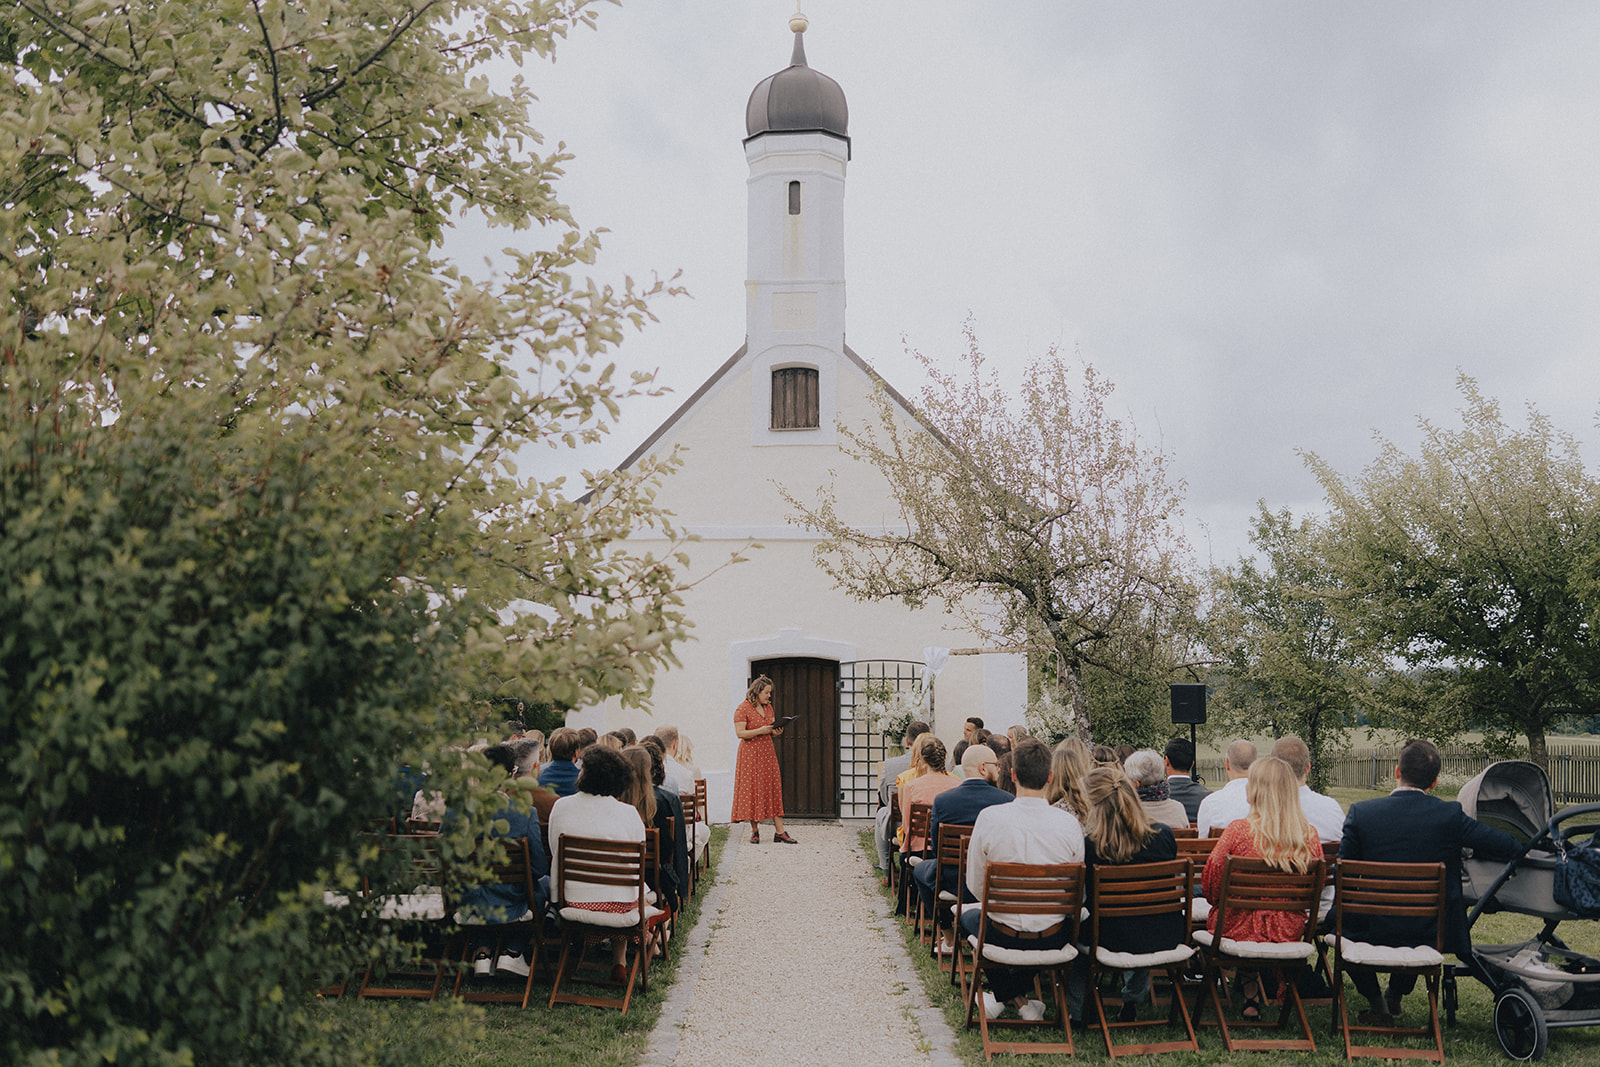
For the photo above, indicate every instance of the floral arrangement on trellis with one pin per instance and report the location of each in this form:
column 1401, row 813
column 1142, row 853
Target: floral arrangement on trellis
column 890, row 710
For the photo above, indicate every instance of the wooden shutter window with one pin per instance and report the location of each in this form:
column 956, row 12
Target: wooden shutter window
column 794, row 399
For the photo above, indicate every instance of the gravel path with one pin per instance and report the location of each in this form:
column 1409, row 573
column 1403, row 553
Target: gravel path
column 795, row 962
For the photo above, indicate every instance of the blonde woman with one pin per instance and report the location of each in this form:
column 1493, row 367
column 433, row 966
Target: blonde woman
column 1069, row 763
column 1277, row 831
column 918, row 768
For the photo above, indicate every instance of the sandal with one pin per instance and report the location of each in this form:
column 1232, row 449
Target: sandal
column 1251, row 1012
column 785, row 838
column 755, row 837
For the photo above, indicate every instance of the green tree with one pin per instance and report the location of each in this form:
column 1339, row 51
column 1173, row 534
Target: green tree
column 1289, row 665
column 1045, row 522
column 261, row 528
column 1462, row 563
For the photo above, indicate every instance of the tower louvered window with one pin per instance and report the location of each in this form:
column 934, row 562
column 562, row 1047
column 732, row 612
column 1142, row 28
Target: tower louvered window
column 794, row 399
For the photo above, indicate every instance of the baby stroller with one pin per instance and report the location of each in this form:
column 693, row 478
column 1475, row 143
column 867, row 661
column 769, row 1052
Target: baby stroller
column 1539, row 984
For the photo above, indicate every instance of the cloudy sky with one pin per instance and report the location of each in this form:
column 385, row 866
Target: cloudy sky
column 1276, row 226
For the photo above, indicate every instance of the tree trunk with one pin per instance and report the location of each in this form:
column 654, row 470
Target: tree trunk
column 1537, row 752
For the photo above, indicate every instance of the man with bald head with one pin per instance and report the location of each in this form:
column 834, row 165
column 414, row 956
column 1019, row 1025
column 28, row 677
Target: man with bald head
column 1228, row 803
column 960, row 805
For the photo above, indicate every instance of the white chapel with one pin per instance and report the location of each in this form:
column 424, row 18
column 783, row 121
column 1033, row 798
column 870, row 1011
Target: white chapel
column 766, row 418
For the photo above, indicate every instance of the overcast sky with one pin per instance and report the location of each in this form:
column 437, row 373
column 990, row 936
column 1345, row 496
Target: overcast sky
column 1275, row 226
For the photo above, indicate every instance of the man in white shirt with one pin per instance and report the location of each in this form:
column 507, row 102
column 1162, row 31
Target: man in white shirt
column 1323, row 812
column 1228, row 803
column 1028, row 830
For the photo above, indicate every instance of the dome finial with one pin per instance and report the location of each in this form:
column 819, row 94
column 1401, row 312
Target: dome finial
column 798, row 21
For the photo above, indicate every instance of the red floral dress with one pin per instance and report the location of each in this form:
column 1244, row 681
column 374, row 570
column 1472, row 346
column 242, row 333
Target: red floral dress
column 1278, row 926
column 757, row 787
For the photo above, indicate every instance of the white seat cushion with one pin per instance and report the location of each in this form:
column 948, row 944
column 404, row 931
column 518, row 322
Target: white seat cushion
column 1363, row 954
column 1257, row 950
column 1133, row 961
column 428, row 906
column 946, row 896
column 1026, row 957
column 1202, row 909
column 912, row 861
column 620, row 920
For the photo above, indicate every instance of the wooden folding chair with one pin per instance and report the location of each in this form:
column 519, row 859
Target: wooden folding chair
column 413, row 900
column 1413, row 891
column 891, row 832
column 653, row 851
column 1325, row 918
column 916, row 825
column 950, row 853
column 1185, row 831
column 515, row 870
column 617, row 865
column 702, row 815
column 1013, row 889
column 691, row 827
column 1141, row 891
column 1253, row 885
column 1197, row 849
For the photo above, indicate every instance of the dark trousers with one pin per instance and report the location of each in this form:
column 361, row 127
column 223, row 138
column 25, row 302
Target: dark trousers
column 1366, row 983
column 1008, row 983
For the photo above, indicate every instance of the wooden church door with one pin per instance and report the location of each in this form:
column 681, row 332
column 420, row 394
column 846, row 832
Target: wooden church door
column 808, row 751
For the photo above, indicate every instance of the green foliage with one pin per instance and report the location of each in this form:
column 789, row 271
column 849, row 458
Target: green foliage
column 1471, row 564
column 1045, row 522
column 261, row 526
column 1289, row 666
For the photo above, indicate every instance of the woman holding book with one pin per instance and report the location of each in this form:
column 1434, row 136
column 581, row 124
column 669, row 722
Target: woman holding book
column 757, row 785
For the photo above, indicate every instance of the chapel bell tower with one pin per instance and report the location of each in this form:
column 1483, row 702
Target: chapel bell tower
column 797, row 146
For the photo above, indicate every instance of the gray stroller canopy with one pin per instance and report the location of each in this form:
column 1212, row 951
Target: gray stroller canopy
column 1512, row 795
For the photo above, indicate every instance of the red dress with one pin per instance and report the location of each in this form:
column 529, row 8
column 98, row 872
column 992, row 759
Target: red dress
column 1278, row 926
column 757, row 788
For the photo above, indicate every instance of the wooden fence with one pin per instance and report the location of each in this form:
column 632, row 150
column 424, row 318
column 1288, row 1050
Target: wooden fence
column 1574, row 770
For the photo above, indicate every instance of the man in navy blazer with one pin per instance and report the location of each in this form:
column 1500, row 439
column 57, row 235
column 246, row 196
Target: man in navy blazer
column 1409, row 826
column 1180, row 777
column 959, row 806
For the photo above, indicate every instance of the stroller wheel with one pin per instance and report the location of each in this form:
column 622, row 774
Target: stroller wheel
column 1519, row 1024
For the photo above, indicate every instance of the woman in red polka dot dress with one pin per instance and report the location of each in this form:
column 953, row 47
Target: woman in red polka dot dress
column 757, row 788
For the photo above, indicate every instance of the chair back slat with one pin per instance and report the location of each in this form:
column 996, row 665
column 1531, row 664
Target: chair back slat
column 1034, row 889
column 1197, row 847
column 597, row 861
column 1408, row 890
column 1140, row 889
column 1250, row 884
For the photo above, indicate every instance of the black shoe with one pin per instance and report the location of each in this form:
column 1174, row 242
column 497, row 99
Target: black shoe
column 1393, row 1004
column 1129, row 1012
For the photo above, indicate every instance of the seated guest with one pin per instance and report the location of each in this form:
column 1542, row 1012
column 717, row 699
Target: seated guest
column 915, row 770
column 1027, row 830
column 586, row 737
column 1185, row 790
column 1323, row 812
column 1017, row 733
column 525, row 775
column 956, row 754
column 958, row 806
column 1148, row 772
column 925, row 789
column 1069, row 763
column 893, row 768
column 661, row 809
column 676, row 770
column 560, row 775
column 1006, row 775
column 616, row 740
column 1000, row 743
column 502, row 903
column 1228, row 803
column 972, row 730
column 1409, row 826
column 1275, row 830
column 1104, row 756
column 668, row 780
column 627, row 736
column 685, row 756
column 596, row 809
column 1118, row 830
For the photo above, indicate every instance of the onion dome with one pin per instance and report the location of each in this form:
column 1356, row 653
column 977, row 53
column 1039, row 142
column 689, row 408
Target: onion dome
column 797, row 99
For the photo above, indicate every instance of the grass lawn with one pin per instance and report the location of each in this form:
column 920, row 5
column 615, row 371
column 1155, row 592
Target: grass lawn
column 504, row 1035
column 1471, row 1040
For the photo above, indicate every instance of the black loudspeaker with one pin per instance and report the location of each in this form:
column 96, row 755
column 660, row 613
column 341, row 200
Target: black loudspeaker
column 1189, row 704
